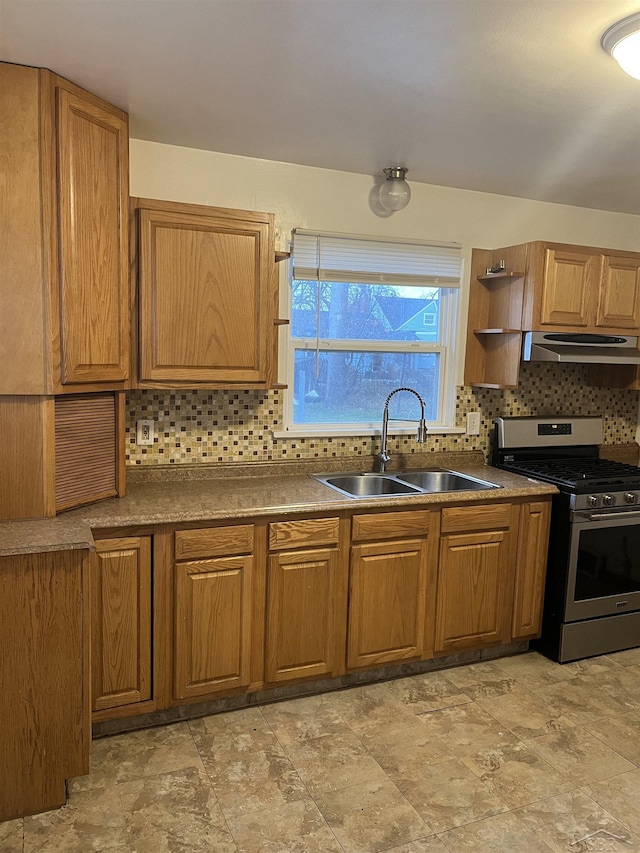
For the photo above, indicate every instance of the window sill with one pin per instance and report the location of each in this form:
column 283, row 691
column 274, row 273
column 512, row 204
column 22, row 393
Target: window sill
column 339, row 432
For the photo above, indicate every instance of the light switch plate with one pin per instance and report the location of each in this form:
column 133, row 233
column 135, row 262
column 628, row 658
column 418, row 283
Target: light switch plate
column 473, row 423
column 145, row 430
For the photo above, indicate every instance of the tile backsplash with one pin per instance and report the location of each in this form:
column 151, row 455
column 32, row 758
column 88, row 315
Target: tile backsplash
column 236, row 426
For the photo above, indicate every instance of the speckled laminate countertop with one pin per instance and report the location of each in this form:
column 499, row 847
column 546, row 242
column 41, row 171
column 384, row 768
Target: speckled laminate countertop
column 276, row 492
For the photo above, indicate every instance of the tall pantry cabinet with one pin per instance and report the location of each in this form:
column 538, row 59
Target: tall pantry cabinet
column 64, row 299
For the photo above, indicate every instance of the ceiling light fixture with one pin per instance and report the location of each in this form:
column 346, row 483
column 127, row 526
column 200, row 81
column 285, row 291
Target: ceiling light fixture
column 622, row 41
column 395, row 192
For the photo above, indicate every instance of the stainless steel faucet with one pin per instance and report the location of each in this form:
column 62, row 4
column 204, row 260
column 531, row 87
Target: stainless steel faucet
column 383, row 457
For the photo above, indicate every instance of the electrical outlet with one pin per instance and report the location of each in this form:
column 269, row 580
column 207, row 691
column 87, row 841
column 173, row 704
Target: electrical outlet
column 144, row 432
column 473, row 423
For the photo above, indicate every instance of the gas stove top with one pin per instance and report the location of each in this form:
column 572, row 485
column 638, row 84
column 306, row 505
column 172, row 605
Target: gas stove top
column 564, row 451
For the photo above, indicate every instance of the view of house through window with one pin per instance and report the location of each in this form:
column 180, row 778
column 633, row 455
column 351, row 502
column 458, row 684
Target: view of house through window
column 353, row 342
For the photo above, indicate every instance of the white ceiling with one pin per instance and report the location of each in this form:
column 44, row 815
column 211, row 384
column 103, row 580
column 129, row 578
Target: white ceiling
column 506, row 96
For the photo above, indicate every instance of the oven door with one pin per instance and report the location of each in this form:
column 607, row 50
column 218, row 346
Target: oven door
column 604, row 565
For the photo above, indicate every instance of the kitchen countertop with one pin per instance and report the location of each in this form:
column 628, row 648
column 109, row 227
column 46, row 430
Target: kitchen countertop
column 277, row 491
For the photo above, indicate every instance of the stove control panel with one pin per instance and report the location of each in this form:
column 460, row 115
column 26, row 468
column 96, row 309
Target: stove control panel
column 608, row 500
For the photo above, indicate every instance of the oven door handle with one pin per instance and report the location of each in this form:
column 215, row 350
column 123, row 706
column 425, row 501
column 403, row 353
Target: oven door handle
column 603, row 516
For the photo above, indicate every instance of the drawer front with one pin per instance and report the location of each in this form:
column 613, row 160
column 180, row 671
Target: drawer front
column 310, row 531
column 390, row 525
column 214, row 541
column 487, row 517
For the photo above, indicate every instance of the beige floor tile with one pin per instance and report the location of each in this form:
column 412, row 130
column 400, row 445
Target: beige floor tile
column 620, row 685
column 448, row 794
column 362, row 707
column 574, row 821
column 517, row 775
column 292, row 827
column 533, row 670
column 432, row 844
column 92, row 820
column 503, row 833
column 466, row 728
column 399, row 747
column 372, row 817
column 479, row 680
column 629, row 657
column 526, row 714
column 620, row 733
column 584, row 702
column 427, row 692
column 298, row 720
column 591, row 666
column 174, row 813
column 333, row 762
column 579, row 755
column 620, row 796
column 11, row 832
column 144, row 753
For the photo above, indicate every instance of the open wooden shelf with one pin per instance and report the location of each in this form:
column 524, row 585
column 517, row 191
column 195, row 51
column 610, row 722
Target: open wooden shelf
column 499, row 276
column 282, row 256
column 497, row 331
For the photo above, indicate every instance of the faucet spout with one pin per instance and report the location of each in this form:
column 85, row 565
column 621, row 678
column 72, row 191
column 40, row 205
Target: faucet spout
column 383, row 456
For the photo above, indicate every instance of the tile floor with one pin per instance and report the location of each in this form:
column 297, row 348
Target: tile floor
column 516, row 755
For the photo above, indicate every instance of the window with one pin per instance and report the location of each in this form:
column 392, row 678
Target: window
column 369, row 315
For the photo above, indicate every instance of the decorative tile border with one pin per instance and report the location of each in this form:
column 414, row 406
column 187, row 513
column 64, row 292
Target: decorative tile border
column 236, row 426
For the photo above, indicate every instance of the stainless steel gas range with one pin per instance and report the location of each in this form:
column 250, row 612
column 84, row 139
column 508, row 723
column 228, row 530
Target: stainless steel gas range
column 592, row 596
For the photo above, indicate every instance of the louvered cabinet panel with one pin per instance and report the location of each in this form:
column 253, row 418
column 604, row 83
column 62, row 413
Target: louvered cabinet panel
column 85, row 449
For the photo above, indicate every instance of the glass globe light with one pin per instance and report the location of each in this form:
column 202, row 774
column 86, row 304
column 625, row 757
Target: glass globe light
column 622, row 41
column 395, row 192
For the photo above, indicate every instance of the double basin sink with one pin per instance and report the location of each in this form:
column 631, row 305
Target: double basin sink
column 427, row 481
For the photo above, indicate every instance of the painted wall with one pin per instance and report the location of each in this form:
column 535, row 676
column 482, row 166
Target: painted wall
column 223, row 426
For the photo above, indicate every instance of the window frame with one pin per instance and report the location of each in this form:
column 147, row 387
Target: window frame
column 446, row 348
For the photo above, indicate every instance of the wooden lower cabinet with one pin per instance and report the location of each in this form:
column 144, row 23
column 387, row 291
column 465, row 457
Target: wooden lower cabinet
column 475, row 576
column 531, row 566
column 306, row 601
column 213, row 610
column 120, row 622
column 391, row 592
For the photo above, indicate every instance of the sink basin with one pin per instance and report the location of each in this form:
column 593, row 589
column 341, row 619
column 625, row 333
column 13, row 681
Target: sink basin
column 368, row 485
column 429, row 481
column 443, row 481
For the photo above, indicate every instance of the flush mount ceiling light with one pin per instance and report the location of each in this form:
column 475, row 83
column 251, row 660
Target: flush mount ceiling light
column 622, row 41
column 395, row 192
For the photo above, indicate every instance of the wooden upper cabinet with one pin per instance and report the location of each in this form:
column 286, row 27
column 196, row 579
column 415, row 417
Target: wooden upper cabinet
column 64, row 305
column 583, row 289
column 570, row 288
column 207, row 295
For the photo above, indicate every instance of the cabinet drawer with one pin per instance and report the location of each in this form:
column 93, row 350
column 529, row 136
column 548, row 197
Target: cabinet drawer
column 310, row 531
column 390, row 525
column 487, row 517
column 214, row 541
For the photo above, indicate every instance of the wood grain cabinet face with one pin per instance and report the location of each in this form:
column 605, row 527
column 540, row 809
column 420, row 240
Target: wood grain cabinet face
column 531, row 567
column 475, row 578
column 391, row 591
column 306, row 600
column 121, row 622
column 65, row 223
column 571, row 282
column 619, row 305
column 212, row 610
column 207, row 294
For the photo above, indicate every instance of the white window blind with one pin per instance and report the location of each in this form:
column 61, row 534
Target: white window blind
column 374, row 260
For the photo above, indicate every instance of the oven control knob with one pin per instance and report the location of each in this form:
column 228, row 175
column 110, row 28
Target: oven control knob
column 630, row 498
column 607, row 500
column 592, row 500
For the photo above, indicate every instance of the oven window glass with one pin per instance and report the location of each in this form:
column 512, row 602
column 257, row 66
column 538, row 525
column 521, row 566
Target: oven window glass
column 608, row 562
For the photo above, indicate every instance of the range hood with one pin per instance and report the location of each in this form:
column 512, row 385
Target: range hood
column 580, row 348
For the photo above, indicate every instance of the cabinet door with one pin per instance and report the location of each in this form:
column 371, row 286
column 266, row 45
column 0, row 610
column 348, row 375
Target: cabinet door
column 206, row 306
column 121, row 622
column 619, row 305
column 531, row 567
column 93, row 192
column 387, row 602
column 473, row 590
column 213, row 625
column 304, row 606
column 571, row 281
